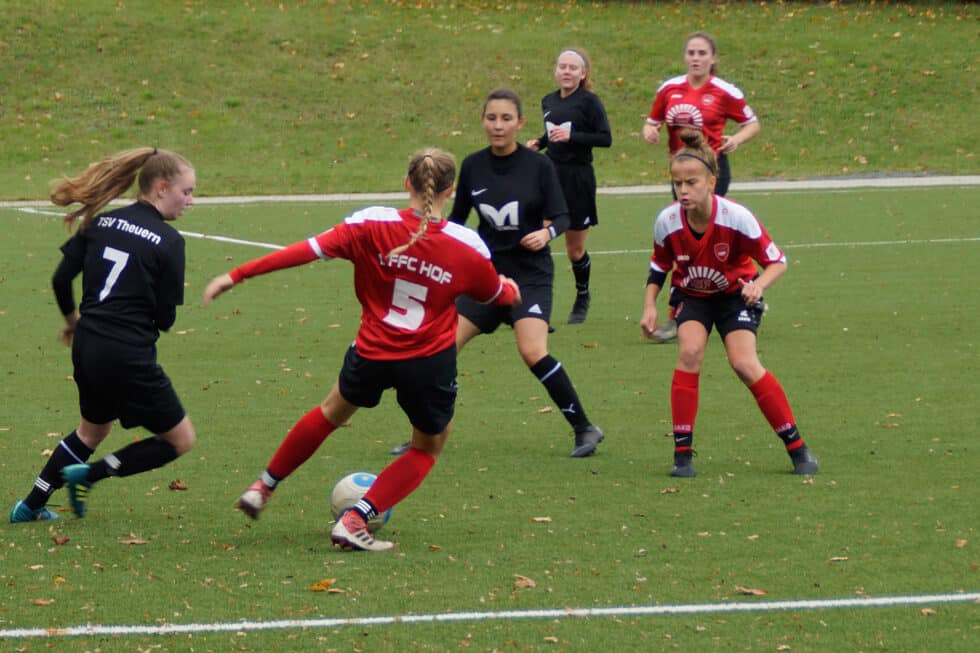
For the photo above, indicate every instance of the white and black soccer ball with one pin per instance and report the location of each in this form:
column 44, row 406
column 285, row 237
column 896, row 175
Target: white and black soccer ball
column 348, row 491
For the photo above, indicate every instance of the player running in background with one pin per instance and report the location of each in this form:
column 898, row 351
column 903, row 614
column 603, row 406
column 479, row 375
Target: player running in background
column 710, row 246
column 409, row 268
column 700, row 100
column 132, row 266
column 575, row 121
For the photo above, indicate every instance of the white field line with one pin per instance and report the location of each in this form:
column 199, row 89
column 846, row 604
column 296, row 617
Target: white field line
column 504, row 615
column 866, row 243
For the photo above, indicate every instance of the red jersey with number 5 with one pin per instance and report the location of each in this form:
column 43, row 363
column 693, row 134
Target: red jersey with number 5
column 726, row 252
column 408, row 300
column 705, row 108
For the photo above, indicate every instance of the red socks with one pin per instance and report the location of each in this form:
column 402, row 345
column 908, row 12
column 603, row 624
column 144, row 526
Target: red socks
column 683, row 407
column 399, row 479
column 774, row 405
column 300, row 443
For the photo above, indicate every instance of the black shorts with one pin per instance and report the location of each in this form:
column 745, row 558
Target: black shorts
column 121, row 381
column 726, row 312
column 578, row 185
column 425, row 387
column 534, row 274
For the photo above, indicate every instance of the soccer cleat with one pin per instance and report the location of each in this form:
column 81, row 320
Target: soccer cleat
column 580, row 309
column 253, row 499
column 77, row 484
column 400, row 449
column 586, row 440
column 351, row 533
column 804, row 462
column 21, row 513
column 683, row 466
column 666, row 332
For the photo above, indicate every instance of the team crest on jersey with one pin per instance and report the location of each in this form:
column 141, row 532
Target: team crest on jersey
column 721, row 251
column 505, row 218
column 708, row 99
column 685, row 114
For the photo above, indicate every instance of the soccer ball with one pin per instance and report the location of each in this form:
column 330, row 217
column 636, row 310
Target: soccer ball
column 348, row 491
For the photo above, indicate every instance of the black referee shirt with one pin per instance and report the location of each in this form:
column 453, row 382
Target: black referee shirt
column 132, row 265
column 589, row 126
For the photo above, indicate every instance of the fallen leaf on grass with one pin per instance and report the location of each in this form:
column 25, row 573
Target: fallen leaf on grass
column 325, row 585
column 546, row 409
column 839, row 559
column 59, row 540
column 135, row 541
column 670, row 490
column 927, row 612
column 435, row 547
column 177, row 484
column 523, row 581
column 540, row 520
column 551, row 639
column 749, row 591
column 961, row 543
column 42, row 602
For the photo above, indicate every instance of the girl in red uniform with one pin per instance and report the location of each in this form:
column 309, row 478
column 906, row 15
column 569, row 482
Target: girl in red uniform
column 700, row 100
column 409, row 268
column 710, row 246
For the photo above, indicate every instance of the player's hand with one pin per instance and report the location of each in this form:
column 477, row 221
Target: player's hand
column 517, row 289
column 648, row 322
column 751, row 292
column 651, row 133
column 536, row 240
column 217, row 286
column 559, row 135
column 66, row 334
column 728, row 145
column 533, row 144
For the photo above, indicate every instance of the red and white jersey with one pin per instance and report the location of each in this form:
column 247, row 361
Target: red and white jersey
column 724, row 254
column 705, row 108
column 408, row 301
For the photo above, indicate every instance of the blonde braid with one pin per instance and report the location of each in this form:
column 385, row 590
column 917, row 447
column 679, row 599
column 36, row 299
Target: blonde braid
column 431, row 171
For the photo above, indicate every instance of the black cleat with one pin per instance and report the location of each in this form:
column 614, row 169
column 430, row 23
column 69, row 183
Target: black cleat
column 580, row 309
column 683, row 465
column 804, row 462
column 586, row 440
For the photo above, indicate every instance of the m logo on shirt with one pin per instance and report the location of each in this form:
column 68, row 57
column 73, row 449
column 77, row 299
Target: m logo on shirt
column 504, row 219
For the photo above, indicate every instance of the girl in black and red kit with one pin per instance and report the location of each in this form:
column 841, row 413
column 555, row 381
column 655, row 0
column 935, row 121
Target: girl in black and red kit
column 132, row 266
column 710, row 246
column 575, row 121
column 521, row 208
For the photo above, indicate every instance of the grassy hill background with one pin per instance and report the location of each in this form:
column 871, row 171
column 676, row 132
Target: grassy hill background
column 300, row 97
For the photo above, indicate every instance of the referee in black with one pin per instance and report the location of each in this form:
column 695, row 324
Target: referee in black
column 575, row 121
column 521, row 208
column 132, row 266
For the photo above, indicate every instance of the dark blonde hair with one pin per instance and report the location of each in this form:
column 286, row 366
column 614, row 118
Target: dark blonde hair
column 109, row 177
column 697, row 148
column 431, row 171
column 586, row 82
column 711, row 41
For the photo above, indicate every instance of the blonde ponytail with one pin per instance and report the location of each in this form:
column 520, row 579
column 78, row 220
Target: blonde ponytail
column 430, row 171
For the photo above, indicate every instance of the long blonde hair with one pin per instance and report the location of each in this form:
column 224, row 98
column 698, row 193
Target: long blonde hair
column 430, row 171
column 111, row 176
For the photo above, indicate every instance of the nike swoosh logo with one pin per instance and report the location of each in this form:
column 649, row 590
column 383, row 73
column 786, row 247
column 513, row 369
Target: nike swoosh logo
column 475, row 193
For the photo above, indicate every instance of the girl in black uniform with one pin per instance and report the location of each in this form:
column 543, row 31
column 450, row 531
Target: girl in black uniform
column 132, row 265
column 575, row 121
column 521, row 208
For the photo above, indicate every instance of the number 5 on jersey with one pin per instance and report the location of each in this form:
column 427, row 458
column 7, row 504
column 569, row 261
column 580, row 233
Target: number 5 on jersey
column 407, row 305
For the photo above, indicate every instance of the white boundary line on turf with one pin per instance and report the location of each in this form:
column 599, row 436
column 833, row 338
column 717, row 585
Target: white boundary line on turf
column 453, row 617
column 866, row 243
